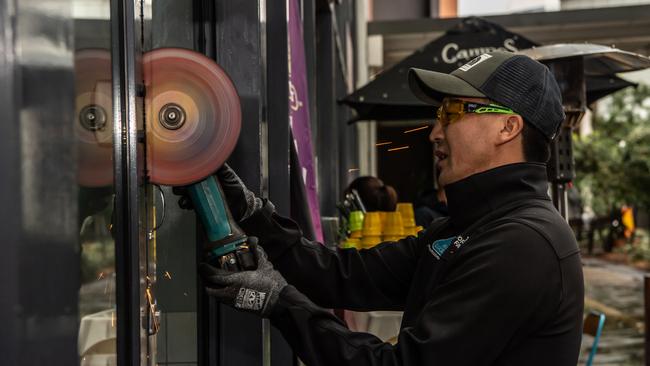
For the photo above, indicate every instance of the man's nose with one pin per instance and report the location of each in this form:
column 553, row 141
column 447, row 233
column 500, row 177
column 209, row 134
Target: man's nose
column 436, row 133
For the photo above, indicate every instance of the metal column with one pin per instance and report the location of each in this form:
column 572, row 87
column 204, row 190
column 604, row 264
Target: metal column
column 279, row 140
column 328, row 130
column 237, row 46
column 125, row 59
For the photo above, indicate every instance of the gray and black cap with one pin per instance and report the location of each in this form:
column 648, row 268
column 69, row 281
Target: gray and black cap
column 516, row 81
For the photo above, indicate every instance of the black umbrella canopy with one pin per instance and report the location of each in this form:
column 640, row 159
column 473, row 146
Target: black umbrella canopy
column 602, row 86
column 388, row 97
column 601, row 64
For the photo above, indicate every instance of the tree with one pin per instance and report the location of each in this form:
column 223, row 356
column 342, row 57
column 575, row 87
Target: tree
column 613, row 163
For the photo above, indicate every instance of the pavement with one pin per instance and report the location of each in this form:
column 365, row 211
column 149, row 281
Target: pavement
column 617, row 291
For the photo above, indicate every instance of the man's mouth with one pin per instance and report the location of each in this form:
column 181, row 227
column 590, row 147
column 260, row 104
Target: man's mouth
column 440, row 155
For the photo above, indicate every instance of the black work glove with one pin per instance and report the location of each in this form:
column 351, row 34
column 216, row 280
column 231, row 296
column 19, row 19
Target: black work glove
column 241, row 201
column 253, row 291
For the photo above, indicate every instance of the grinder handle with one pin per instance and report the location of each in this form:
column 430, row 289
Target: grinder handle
column 209, row 204
column 227, row 246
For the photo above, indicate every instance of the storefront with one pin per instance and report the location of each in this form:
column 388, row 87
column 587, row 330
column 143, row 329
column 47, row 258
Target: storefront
column 99, row 266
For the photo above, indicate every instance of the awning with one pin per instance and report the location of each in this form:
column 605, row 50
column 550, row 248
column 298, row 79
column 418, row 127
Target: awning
column 388, row 97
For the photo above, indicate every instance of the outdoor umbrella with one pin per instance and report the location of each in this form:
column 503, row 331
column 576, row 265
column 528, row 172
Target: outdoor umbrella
column 388, row 97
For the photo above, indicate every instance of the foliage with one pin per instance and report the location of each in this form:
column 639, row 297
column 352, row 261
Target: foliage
column 639, row 248
column 613, row 163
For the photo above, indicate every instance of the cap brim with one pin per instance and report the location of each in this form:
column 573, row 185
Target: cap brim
column 432, row 87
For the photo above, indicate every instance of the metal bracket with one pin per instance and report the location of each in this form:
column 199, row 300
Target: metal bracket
column 162, row 218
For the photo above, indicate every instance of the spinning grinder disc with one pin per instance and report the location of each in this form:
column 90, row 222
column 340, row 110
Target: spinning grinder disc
column 193, row 116
column 93, row 119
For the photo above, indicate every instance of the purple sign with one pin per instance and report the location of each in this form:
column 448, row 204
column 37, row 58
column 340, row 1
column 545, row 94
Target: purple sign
column 299, row 114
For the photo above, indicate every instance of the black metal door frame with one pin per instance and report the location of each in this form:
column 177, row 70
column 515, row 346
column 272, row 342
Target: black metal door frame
column 125, row 49
column 228, row 337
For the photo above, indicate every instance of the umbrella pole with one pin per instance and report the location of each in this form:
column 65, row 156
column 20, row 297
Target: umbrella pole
column 569, row 72
column 561, row 199
column 560, row 169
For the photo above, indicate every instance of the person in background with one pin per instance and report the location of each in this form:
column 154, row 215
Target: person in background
column 374, row 194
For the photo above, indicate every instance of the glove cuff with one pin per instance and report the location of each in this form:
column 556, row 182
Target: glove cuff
column 253, row 204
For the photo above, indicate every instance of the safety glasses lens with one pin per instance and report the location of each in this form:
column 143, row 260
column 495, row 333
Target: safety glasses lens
column 449, row 112
column 453, row 106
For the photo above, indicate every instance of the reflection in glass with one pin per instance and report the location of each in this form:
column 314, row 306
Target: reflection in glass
column 94, row 118
column 94, row 139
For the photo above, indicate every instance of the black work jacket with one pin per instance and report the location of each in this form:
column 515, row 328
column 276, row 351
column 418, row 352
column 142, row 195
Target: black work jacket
column 498, row 283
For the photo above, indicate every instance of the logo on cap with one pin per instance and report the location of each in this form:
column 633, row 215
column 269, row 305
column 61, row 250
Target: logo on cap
column 474, row 62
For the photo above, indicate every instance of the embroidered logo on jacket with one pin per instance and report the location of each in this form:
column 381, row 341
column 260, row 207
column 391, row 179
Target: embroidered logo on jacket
column 460, row 241
column 439, row 247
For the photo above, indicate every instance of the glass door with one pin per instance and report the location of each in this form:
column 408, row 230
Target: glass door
column 93, row 125
column 114, row 308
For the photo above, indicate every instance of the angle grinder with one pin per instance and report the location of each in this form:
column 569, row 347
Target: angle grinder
column 193, row 120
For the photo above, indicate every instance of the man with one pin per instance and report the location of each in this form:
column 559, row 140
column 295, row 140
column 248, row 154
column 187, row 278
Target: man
column 499, row 282
column 429, row 206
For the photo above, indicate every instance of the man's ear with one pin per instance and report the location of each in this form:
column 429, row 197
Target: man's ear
column 511, row 127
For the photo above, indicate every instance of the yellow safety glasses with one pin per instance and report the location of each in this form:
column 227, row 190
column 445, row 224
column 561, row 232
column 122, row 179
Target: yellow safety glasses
column 452, row 110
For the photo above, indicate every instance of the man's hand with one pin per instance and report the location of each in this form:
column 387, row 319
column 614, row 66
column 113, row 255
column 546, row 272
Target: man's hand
column 254, row 291
column 241, row 201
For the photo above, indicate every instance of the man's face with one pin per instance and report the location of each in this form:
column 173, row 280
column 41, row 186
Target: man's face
column 466, row 146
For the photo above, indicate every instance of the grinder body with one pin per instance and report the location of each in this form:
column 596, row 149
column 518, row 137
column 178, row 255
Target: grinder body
column 227, row 245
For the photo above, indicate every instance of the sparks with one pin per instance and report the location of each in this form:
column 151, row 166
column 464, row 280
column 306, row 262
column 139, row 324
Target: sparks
column 416, row 129
column 101, row 275
column 167, row 275
column 400, row 148
column 149, row 296
column 383, row 143
column 352, row 170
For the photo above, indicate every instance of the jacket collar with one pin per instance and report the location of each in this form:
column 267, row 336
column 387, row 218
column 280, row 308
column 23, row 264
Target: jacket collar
column 471, row 198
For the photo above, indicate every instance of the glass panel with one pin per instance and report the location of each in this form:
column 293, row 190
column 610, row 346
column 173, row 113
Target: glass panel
column 39, row 265
column 171, row 250
column 93, row 127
